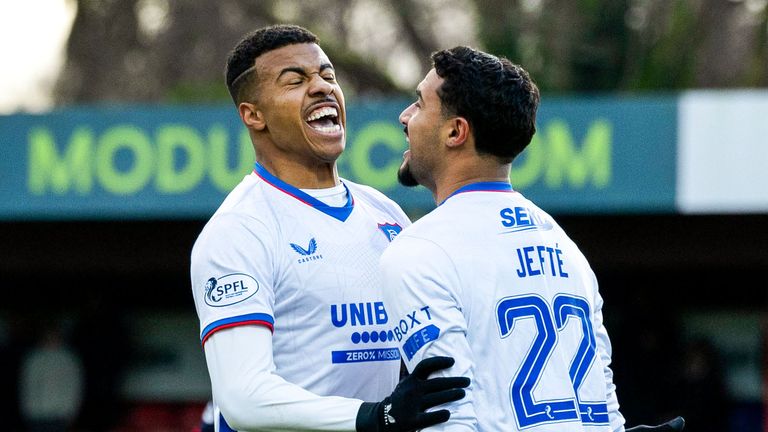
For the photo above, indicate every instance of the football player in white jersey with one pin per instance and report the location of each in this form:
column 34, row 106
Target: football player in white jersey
column 285, row 274
column 488, row 277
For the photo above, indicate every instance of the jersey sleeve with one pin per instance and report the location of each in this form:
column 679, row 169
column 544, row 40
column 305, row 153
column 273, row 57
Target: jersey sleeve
column 604, row 351
column 420, row 283
column 232, row 274
column 250, row 396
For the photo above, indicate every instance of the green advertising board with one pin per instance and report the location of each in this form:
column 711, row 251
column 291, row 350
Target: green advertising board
column 589, row 155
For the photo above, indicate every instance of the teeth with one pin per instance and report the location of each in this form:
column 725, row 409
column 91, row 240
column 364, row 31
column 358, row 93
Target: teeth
column 328, row 129
column 323, row 112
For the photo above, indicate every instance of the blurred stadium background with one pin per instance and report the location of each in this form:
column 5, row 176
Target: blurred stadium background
column 651, row 152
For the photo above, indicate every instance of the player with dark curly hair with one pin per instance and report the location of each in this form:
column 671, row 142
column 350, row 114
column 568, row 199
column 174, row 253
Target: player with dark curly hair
column 488, row 277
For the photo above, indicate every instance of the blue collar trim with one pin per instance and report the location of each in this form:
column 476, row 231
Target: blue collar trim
column 340, row 213
column 482, row 187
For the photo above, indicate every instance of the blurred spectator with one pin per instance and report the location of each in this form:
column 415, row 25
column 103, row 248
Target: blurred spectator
column 51, row 384
column 700, row 394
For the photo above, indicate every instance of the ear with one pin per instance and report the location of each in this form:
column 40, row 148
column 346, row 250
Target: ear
column 458, row 131
column 252, row 117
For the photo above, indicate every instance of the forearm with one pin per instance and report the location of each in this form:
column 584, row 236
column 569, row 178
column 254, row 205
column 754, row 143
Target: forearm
column 252, row 398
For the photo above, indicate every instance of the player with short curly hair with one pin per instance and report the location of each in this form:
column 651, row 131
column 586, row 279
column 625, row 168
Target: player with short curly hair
column 285, row 273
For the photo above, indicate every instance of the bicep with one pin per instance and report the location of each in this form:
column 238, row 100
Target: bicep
column 232, row 274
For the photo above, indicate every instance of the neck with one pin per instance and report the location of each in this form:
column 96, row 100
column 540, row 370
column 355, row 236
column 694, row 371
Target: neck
column 318, row 175
column 462, row 176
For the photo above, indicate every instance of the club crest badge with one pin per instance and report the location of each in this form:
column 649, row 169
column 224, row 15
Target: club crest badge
column 390, row 230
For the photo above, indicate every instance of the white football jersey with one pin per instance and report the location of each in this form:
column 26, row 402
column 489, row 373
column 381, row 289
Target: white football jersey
column 272, row 255
column 491, row 280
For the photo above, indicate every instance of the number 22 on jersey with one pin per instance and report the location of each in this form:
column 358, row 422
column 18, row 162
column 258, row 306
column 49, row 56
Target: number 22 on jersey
column 549, row 321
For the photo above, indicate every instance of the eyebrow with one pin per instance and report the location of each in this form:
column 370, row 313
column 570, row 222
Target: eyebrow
column 301, row 71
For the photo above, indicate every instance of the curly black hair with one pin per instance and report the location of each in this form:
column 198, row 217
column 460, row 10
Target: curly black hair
column 497, row 97
column 240, row 73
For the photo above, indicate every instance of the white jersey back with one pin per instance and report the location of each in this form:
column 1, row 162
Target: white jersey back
column 492, row 280
column 272, row 255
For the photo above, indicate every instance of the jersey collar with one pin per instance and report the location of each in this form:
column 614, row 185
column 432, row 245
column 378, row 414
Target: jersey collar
column 340, row 213
column 482, row 187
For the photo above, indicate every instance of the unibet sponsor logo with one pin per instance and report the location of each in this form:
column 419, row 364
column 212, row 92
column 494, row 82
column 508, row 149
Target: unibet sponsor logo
column 366, row 355
column 358, row 314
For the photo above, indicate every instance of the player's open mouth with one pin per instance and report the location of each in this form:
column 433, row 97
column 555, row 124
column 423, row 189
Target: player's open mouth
column 324, row 120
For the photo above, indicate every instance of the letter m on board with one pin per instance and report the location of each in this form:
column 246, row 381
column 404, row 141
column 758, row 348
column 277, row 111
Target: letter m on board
column 47, row 170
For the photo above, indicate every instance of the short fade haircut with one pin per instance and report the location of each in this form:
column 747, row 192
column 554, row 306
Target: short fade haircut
column 496, row 96
column 240, row 72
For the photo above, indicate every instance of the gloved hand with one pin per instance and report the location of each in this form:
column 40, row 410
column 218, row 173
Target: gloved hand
column 674, row 425
column 405, row 409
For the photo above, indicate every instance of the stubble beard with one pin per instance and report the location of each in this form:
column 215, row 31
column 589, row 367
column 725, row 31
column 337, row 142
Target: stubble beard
column 405, row 176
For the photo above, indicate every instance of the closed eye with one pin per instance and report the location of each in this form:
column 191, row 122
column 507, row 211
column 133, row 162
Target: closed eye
column 329, row 77
column 293, row 80
column 292, row 76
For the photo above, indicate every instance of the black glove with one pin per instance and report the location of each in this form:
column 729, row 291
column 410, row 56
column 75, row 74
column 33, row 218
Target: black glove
column 674, row 425
column 405, row 409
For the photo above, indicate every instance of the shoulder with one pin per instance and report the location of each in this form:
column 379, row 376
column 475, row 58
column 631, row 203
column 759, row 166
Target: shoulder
column 229, row 232
column 248, row 195
column 246, row 206
column 374, row 198
column 424, row 238
column 416, row 259
column 434, row 225
column 246, row 215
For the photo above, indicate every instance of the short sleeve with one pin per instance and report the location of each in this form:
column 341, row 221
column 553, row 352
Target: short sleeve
column 232, row 274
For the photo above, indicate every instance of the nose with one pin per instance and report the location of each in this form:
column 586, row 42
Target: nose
column 405, row 116
column 319, row 86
